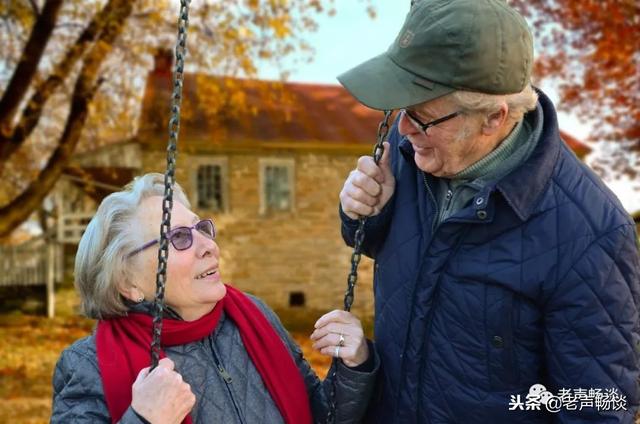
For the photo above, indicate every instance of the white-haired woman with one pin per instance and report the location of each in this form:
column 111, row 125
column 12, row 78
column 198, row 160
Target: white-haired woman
column 226, row 357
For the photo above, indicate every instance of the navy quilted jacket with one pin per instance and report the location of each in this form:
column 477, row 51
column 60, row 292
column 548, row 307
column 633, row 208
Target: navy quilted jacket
column 536, row 282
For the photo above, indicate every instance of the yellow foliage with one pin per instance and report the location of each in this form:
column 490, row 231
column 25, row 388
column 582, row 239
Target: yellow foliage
column 238, row 99
column 280, row 26
column 20, row 11
column 253, row 4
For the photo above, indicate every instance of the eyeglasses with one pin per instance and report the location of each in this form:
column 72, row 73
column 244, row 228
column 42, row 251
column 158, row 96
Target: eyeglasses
column 182, row 237
column 424, row 127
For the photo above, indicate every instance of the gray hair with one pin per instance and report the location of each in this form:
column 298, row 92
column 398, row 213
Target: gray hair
column 101, row 263
column 519, row 103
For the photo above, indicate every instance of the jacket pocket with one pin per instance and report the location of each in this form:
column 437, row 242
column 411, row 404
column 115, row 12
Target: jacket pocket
column 500, row 312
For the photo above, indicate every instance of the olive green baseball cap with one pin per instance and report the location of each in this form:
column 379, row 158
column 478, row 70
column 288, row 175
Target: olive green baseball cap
column 446, row 45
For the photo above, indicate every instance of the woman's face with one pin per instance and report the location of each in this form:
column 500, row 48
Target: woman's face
column 193, row 285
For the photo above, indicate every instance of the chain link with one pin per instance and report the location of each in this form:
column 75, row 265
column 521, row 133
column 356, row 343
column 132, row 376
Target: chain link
column 169, row 180
column 352, row 279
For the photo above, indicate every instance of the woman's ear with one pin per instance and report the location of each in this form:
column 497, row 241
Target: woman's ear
column 131, row 292
column 495, row 121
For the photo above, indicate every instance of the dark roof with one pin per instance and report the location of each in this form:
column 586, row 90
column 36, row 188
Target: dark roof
column 274, row 112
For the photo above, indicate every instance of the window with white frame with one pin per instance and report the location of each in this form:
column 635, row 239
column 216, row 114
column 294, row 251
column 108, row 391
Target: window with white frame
column 211, row 184
column 277, row 185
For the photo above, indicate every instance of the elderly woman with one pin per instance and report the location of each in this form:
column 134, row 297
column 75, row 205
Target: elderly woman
column 226, row 356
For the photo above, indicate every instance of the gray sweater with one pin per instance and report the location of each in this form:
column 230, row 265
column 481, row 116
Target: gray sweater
column 78, row 394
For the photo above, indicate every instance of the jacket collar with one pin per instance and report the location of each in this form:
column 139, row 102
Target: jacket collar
column 524, row 186
column 148, row 308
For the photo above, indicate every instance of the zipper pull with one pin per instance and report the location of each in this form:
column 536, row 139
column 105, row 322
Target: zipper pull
column 448, row 197
column 225, row 375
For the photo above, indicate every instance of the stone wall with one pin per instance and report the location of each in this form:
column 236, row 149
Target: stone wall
column 273, row 255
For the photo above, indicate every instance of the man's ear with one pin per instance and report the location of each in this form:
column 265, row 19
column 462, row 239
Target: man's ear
column 494, row 122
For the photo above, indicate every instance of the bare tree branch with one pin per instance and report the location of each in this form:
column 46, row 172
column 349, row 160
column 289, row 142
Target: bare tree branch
column 27, row 66
column 33, row 111
column 18, row 210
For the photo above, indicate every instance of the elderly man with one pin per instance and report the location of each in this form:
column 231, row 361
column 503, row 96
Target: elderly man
column 506, row 274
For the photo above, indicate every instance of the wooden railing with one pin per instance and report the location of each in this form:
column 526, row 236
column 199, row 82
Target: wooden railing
column 71, row 226
column 32, row 263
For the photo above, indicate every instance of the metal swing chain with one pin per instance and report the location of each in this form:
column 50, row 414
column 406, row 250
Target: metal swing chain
column 169, row 180
column 378, row 150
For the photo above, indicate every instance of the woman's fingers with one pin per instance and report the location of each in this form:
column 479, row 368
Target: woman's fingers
column 162, row 395
column 340, row 334
column 353, row 352
column 337, row 334
column 144, row 372
column 352, row 329
column 342, row 352
column 335, row 328
column 336, row 316
column 337, row 322
column 333, row 339
column 166, row 363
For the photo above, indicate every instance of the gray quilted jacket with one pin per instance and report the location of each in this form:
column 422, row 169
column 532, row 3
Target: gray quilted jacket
column 235, row 396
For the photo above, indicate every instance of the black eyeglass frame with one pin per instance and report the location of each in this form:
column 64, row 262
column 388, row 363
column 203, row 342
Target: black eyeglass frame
column 173, row 231
column 425, row 126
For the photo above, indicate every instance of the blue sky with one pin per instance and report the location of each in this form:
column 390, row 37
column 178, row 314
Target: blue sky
column 348, row 38
column 351, row 37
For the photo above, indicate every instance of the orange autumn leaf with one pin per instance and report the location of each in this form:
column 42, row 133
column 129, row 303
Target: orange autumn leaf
column 591, row 48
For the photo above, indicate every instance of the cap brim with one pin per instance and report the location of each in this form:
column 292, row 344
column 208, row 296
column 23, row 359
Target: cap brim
column 381, row 84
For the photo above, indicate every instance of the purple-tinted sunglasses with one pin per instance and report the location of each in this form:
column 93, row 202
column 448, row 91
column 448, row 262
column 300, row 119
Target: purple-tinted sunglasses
column 181, row 237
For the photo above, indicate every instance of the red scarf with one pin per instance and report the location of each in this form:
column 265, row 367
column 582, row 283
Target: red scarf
column 123, row 350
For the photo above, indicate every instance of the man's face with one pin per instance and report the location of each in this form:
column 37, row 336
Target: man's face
column 447, row 148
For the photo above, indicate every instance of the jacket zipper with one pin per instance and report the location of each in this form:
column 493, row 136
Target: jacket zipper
column 444, row 211
column 449, row 197
column 433, row 199
column 227, row 380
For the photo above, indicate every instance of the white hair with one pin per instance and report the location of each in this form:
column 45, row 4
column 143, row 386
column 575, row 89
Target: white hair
column 101, row 263
column 518, row 103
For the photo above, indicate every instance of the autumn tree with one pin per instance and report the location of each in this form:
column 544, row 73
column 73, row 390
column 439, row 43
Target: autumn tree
column 590, row 49
column 72, row 72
